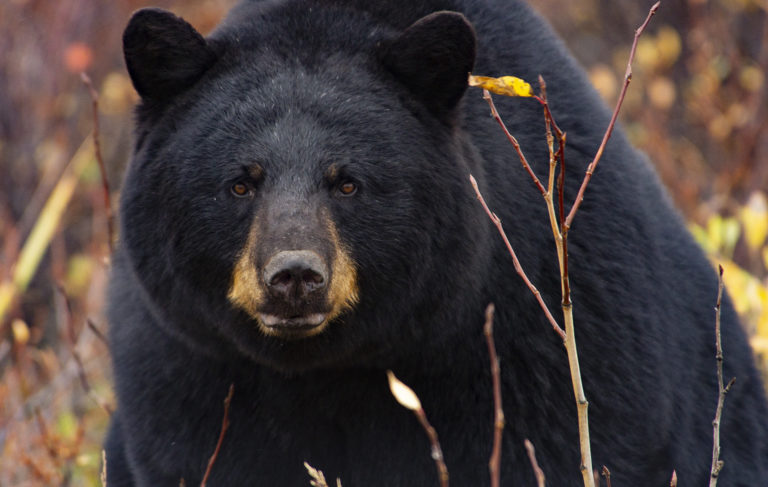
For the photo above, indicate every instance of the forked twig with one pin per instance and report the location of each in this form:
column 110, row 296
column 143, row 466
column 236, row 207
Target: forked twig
column 717, row 464
column 560, row 229
column 519, row 268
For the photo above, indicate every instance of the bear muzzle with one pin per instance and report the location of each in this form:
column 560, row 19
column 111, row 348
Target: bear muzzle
column 295, row 281
column 292, row 281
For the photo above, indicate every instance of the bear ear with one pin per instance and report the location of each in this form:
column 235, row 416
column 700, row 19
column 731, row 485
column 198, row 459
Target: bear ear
column 163, row 53
column 433, row 58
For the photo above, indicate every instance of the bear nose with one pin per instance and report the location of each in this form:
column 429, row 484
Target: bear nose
column 295, row 273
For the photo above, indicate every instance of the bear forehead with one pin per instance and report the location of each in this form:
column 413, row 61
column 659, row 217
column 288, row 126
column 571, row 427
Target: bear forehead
column 297, row 32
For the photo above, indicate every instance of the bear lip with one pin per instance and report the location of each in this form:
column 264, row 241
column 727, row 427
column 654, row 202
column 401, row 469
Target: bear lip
column 294, row 322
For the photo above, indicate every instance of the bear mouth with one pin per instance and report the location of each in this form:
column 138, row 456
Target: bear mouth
column 293, row 326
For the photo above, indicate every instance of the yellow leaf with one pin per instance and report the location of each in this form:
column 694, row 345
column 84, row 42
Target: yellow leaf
column 506, row 85
column 404, row 394
column 20, row 331
column 754, row 218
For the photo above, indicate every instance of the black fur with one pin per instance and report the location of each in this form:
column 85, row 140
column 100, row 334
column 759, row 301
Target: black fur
column 296, row 86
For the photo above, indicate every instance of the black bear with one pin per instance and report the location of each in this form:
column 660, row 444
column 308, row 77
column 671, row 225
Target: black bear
column 297, row 220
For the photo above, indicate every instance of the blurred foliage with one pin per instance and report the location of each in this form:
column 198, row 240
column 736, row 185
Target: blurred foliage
column 697, row 106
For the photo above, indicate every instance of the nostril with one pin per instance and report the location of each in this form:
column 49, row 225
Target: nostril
column 282, row 279
column 295, row 273
column 312, row 280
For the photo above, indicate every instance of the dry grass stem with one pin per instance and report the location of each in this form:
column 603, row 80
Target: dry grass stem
column 103, row 474
column 46, row 224
column 537, row 471
column 224, row 427
column 717, row 464
column 494, row 465
column 100, row 160
column 317, row 477
column 72, row 338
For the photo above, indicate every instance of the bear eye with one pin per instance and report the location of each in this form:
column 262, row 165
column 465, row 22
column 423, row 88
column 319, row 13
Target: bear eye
column 240, row 190
column 347, row 189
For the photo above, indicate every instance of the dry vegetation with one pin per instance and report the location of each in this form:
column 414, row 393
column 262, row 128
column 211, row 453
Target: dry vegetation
column 700, row 112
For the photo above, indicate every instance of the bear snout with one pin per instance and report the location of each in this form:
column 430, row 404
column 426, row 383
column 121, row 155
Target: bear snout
column 295, row 274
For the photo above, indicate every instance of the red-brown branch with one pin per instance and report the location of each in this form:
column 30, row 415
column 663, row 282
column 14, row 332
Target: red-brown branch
column 437, row 451
column 516, row 261
column 607, row 474
column 537, row 471
column 513, row 141
column 550, row 124
column 100, row 160
column 224, row 427
column 611, row 124
column 99, row 334
column 494, row 465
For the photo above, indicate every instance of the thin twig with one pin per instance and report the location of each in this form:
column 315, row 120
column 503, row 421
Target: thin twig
column 561, row 243
column 96, row 331
column 513, row 141
column 50, row 447
column 437, row 451
column 72, row 340
column 73, row 336
column 100, row 160
column 717, row 464
column 405, row 396
column 537, row 471
column 224, row 426
column 607, row 474
column 515, row 260
column 611, row 124
column 494, row 465
column 561, row 237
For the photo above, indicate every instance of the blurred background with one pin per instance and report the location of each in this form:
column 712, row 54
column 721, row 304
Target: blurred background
column 698, row 105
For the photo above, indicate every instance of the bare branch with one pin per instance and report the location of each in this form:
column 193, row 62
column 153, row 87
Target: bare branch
column 513, row 141
column 224, row 427
column 537, row 471
column 515, row 260
column 494, row 465
column 409, row 400
column 100, row 160
column 99, row 334
column 717, row 464
column 612, row 123
column 607, row 474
